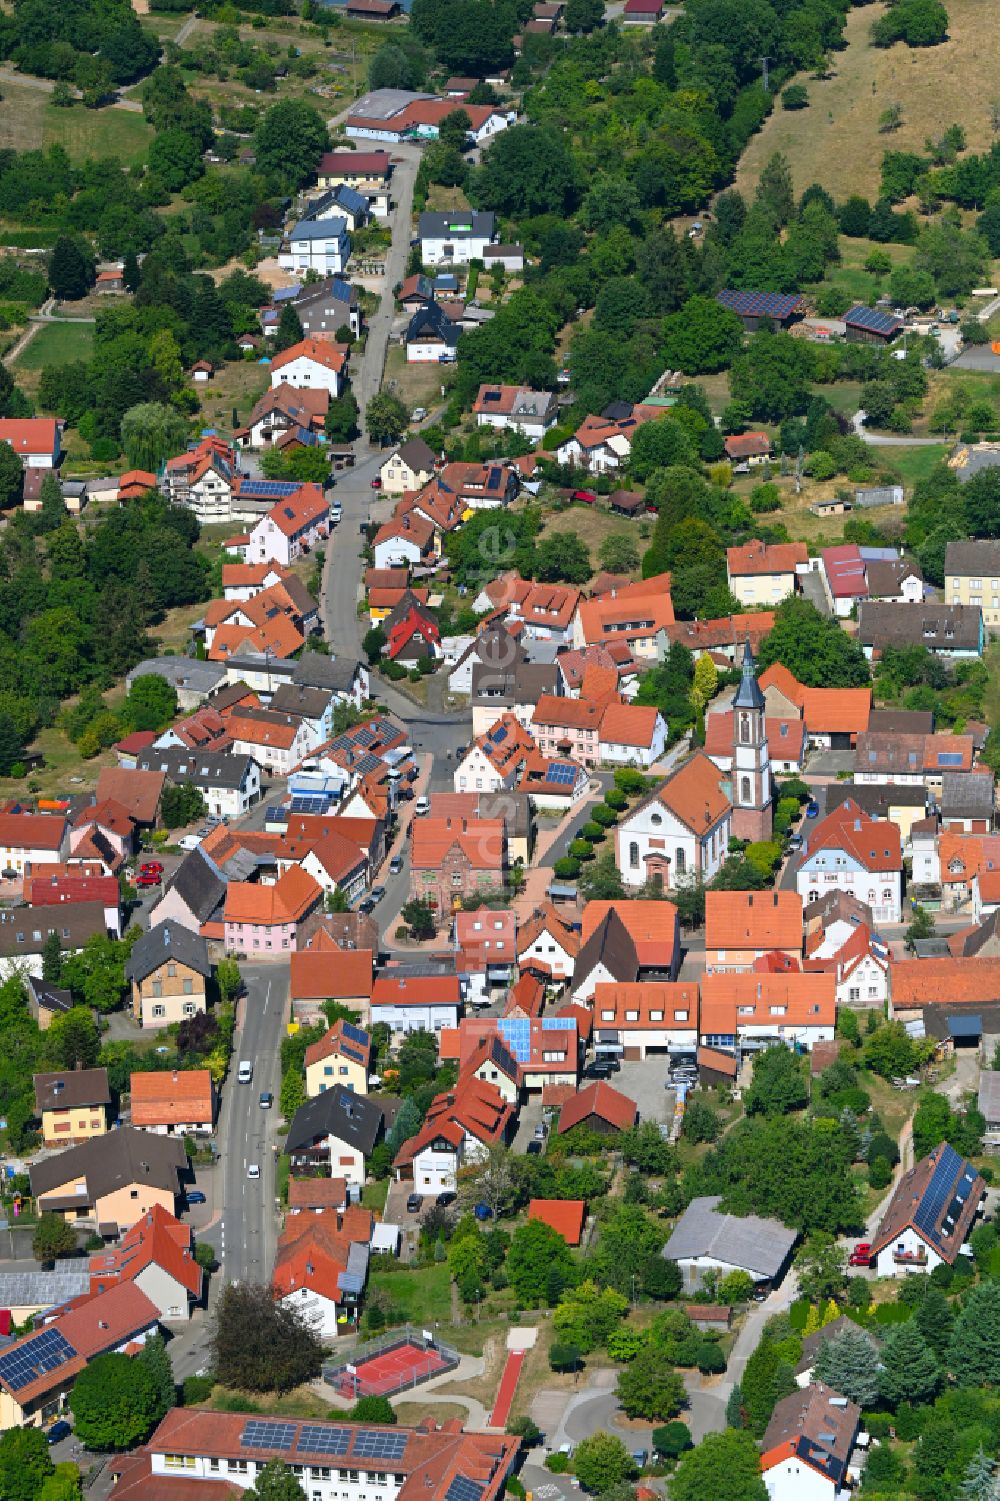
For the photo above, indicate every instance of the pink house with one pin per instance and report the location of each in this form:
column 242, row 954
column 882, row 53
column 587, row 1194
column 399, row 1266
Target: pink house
column 265, row 920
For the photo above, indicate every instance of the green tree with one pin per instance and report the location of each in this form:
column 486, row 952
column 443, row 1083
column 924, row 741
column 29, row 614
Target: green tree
column 154, row 1360
column 373, row 1410
column 618, row 553
column 778, row 1083
column 289, row 142
column 772, row 375
column 71, row 269
column 910, row 1372
column 583, row 15
column 114, row 1402
column 180, row 804
column 151, row 432
column 974, row 1358
column 775, row 192
column 276, row 1482
column 526, row 170
column 53, row 1237
column 258, row 1345
column 25, row 1464
column 151, row 703
column 813, row 648
column 702, row 337
column 820, row 1264
column 11, row 477
column 293, row 1093
column 73, row 1039
column 289, row 331
column 419, row 918
column 601, row 1461
column 979, row 1481
column 385, row 418
column 228, row 979
column 535, row 1248
column 723, row 1464
column 341, row 425
column 935, row 1320
column 562, row 557
column 648, row 1388
column 849, row 1363
column 52, row 958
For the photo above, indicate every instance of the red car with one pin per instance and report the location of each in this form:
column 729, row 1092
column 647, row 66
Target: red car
column 587, row 496
column 376, row 483
column 147, row 878
column 151, row 867
column 861, row 1255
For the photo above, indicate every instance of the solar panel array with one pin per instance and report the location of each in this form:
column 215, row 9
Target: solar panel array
column 759, row 304
column 46, row 1353
column 260, row 1434
column 376, row 1443
column 562, row 772
column 499, row 735
column 316, row 1440
column 278, row 488
column 951, row 1180
column 303, row 804
column 463, row 1489
column 356, row 1034
column 516, row 1032
column 872, row 319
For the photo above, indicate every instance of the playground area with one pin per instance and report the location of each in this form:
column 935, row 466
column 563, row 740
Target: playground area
column 395, row 1363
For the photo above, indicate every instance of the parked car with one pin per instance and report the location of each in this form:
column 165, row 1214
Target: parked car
column 602, row 1068
column 446, row 1198
column 266, row 1099
column 396, row 864
column 861, row 1255
column 795, row 841
column 534, row 1148
column 377, row 483
column 153, row 865
column 58, row 1431
column 812, row 808
column 540, row 1131
column 414, row 1203
column 368, row 905
column 147, row 878
column 194, row 1196
column 377, row 893
column 423, row 806
column 253, row 1171
column 419, row 413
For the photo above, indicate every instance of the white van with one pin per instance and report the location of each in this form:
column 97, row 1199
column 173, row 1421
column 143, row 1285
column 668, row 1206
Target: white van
column 246, row 1072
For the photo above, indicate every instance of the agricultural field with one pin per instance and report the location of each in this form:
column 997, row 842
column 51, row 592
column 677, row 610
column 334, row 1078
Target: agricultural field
column 28, row 120
column 53, row 344
column 836, row 140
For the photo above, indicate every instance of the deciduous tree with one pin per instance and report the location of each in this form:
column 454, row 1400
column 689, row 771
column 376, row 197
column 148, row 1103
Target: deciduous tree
column 115, row 1403
column 261, row 1346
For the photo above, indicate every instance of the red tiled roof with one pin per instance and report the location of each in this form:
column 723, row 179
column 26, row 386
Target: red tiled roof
column 481, row 840
column 601, row 1100
column 172, row 1099
column 287, row 901
column 31, row 831
column 321, row 352
column 753, row 920
column 694, row 794
column 652, row 927
column 415, row 990
column 29, row 435
column 755, row 558
column 317, row 975
column 565, row 1216
column 808, row 1000
column 317, row 1193
column 914, row 982
column 160, row 1239
column 825, row 710
column 874, row 842
column 137, row 791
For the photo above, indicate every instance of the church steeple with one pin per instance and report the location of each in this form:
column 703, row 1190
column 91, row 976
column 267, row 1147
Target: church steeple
column 748, row 694
column 751, row 781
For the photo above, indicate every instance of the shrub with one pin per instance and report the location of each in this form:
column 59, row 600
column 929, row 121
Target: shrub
column 606, row 817
column 566, row 869
column 197, row 1389
column 557, row 1464
column 616, row 799
column 796, row 96
column 711, row 1360
column 879, row 1173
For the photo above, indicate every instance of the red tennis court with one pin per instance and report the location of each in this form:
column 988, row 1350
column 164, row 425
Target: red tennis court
column 392, row 1371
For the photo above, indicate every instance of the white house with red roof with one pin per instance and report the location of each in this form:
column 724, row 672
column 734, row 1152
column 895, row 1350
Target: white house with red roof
column 495, row 762
column 414, row 1003
column 808, row 1444
column 682, row 829
column 28, row 840
column 631, row 735
column 35, row 440
column 314, row 363
column 547, row 945
column 157, row 1256
column 291, row 528
column 485, row 949
column 859, row 962
column 853, row 853
column 461, row 1125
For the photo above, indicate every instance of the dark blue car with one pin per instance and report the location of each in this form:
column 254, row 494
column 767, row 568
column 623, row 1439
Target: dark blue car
column 59, row 1431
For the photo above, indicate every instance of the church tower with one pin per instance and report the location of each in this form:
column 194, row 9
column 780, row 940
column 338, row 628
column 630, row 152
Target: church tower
column 753, row 791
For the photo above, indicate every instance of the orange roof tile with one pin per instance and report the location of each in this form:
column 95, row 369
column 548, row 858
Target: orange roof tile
column 629, row 724
column 914, row 982
column 601, row 1100
column 481, row 840
column 652, row 926
column 756, row 557
column 287, row 901
column 753, row 920
column 654, row 1002
column 321, row 352
column 171, row 1099
column 694, row 794
column 874, row 842
column 296, row 512
column 564, row 1216
column 415, row 990
column 825, row 710
column 729, row 1001
column 318, row 975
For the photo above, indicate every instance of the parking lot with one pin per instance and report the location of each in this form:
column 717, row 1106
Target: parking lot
column 644, row 1083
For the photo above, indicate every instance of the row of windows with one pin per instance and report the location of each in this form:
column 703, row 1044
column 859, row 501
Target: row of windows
column 654, row 1016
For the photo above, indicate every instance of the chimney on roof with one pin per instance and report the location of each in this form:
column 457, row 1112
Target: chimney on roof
column 102, row 1324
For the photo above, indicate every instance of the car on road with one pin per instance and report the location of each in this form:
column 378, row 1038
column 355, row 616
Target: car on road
column 376, row 483
column 443, row 1200
column 795, row 841
column 253, row 1171
column 396, row 865
column 195, row 1196
column 377, row 893
column 812, row 808
column 153, row 865
column 189, row 842
column 147, row 878
column 861, row 1255
column 336, row 511
column 423, row 806
column 245, row 1073
column 540, row 1131
column 419, row 413
column 368, row 905
column 59, row 1431
column 534, row 1148
column 266, row 1099
column 414, row 1203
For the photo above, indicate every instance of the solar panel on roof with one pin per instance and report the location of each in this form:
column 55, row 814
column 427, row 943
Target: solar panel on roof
column 23, row 1365
column 499, row 734
column 930, row 1211
column 355, row 1034
column 562, row 773
column 463, row 1489
column 374, row 1443
column 260, row 1434
column 778, row 305
column 872, row 319
column 316, row 1440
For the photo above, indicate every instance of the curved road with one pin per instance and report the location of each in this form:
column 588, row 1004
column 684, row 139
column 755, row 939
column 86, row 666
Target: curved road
column 889, row 440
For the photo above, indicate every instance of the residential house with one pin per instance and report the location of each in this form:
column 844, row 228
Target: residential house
column 833, row 717
column 111, row 1181
column 342, row 1058
column 193, row 894
column 25, row 931
column 742, row 927
column 229, row 784
column 897, row 581
column 313, row 363
column 812, row 1344
column 723, row 638
column 905, row 806
column 415, row 1003
column 368, row 172
column 565, row 1216
column 395, row 115
column 807, row 1445
column 103, row 831
column 637, row 614
column 653, row 932
column 321, row 245
column 327, row 971
column 495, row 761
column 568, row 727
column 516, row 408
column 430, row 337
column 277, row 742
column 968, row 801
column 952, row 631
column 168, row 970
column 858, row 959
column 600, row 1109
column 312, row 707
column 180, row 1103
column 499, row 684
column 607, row 954
column 911, row 760
column 454, row 238
column 29, row 841
column 547, row 945
column 860, row 855
column 413, row 636
column 409, row 467
column 634, row 1019
column 62, row 890
column 706, row 1240
column 603, row 444
column 454, row 859
column 929, row 1216
column 745, row 1011
column 292, row 527
column 404, row 541
column 682, row 828
column 72, row 1105
column 763, row 574
column 631, row 735
column 157, row 1256
column 546, row 612
column 267, row 921
column 972, row 577
column 336, row 1132
column 283, row 409
column 35, row 440
column 461, row 1125
column 485, row 950
column 321, row 1267
column 555, row 784
column 747, row 450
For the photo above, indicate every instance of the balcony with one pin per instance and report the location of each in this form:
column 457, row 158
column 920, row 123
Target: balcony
column 909, row 1258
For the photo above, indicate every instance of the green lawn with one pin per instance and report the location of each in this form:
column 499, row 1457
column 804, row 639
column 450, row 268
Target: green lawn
column 914, row 463
column 417, row 1296
column 58, row 344
column 97, row 132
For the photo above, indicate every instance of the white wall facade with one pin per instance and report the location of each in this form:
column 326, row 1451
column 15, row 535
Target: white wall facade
column 432, row 1017
column 305, row 373
column 654, row 831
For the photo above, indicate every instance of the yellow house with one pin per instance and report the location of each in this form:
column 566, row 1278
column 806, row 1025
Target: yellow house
column 169, row 970
column 72, row 1105
column 409, row 468
column 342, row 1057
column 112, row 1181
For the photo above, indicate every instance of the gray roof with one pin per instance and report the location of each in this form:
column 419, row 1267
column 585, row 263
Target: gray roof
column 885, row 579
column 513, row 807
column 967, row 794
column 334, row 228
column 167, row 941
column 457, row 225
column 351, row 1118
column 314, row 670
column 48, row 997
column 974, row 559
column 872, row 799
column 748, row 694
column 418, row 454
column 975, row 458
column 69, row 1088
column 111, row 1162
column 24, row 930
column 201, row 768
column 430, row 322
column 523, row 685
column 610, row 944
column 199, row 883
column 938, row 627
column 43, row 1289
column 989, row 1094
column 902, row 721
column 182, row 672
column 759, row 1246
column 296, row 698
